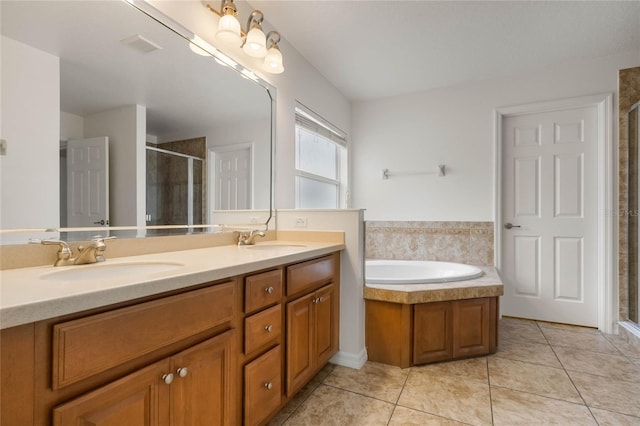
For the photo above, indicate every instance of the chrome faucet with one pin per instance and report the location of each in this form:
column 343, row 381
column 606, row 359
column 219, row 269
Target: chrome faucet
column 92, row 253
column 248, row 238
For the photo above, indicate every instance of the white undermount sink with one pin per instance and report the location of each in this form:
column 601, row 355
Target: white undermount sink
column 109, row 270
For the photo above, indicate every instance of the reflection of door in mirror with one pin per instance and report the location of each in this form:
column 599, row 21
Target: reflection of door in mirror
column 84, row 182
column 232, row 178
column 633, row 228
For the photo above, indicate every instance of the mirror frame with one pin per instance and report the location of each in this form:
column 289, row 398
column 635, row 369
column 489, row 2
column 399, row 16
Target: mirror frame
column 145, row 7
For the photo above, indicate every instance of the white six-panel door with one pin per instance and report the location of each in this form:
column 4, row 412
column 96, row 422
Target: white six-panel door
column 232, row 178
column 88, row 182
column 549, row 197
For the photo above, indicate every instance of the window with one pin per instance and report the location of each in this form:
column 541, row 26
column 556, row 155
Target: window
column 321, row 166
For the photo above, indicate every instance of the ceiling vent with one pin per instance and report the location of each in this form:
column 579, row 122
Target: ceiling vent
column 141, row 44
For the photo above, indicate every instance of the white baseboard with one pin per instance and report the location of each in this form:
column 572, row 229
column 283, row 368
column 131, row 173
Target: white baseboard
column 349, row 359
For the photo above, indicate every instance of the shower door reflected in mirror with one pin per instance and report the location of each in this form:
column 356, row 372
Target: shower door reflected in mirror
column 175, row 190
column 634, row 208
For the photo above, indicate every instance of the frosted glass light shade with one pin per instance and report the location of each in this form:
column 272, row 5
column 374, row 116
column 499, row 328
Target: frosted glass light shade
column 256, row 44
column 229, row 31
column 273, row 61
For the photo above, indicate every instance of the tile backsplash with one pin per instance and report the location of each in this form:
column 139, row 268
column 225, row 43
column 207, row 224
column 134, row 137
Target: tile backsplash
column 464, row 242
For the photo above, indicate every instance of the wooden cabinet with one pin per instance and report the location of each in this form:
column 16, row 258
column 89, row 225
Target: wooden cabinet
column 188, row 388
column 405, row 335
column 312, row 336
column 220, row 353
column 454, row 329
column 263, row 387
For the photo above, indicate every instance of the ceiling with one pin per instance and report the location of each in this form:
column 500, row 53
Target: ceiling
column 373, row 49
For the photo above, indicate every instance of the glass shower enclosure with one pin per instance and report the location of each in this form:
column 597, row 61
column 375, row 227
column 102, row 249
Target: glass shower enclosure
column 175, row 189
column 634, row 208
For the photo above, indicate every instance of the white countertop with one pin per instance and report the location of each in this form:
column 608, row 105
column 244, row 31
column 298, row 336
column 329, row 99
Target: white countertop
column 26, row 295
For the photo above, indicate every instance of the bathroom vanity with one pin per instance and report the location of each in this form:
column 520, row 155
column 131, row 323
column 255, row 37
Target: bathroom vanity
column 422, row 323
column 230, row 342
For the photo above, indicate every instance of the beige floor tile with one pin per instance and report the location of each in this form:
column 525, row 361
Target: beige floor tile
column 403, row 416
column 623, row 346
column 295, row 402
column 587, row 341
column 533, row 378
column 608, row 393
column 454, row 398
column 521, row 350
column 519, row 408
column 373, row 379
column 470, row 369
column 568, row 327
column 508, row 328
column 328, row 406
column 601, row 364
column 608, row 418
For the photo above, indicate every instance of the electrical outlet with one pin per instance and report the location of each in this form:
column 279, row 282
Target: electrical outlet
column 301, row 222
column 253, row 219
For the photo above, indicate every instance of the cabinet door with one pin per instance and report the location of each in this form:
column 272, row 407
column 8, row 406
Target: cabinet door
column 433, row 332
column 262, row 387
column 326, row 336
column 471, row 327
column 139, row 399
column 300, row 342
column 203, row 392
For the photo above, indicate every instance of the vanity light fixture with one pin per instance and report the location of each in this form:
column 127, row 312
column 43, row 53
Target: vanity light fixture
column 252, row 41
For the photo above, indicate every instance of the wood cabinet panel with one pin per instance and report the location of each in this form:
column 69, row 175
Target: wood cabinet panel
column 93, row 344
column 262, row 290
column 309, row 275
column 472, row 329
column 262, row 328
column 433, row 332
column 139, row 399
column 325, row 333
column 206, row 393
column 263, row 386
column 300, row 342
column 16, row 369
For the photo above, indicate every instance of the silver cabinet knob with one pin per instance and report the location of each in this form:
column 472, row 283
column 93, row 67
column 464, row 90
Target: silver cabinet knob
column 182, row 372
column 268, row 328
column 269, row 290
column 511, row 225
column 268, row 386
column 320, row 299
column 168, row 378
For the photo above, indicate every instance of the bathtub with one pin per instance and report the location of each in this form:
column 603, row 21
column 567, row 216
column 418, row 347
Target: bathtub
column 391, row 272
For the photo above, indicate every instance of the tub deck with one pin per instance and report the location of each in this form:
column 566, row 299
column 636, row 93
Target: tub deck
column 488, row 285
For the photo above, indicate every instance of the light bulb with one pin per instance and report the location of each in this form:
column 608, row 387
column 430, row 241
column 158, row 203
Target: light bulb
column 273, row 61
column 229, row 31
column 256, row 44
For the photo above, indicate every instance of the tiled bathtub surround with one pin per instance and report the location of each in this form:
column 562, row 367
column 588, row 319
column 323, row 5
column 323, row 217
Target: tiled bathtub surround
column 542, row 374
column 463, row 242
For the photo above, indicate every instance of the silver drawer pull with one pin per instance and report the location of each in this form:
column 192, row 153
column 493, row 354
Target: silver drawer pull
column 168, row 378
column 268, row 328
column 268, row 386
column 269, row 290
column 182, row 372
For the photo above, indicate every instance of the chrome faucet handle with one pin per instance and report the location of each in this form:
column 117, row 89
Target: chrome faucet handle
column 100, row 238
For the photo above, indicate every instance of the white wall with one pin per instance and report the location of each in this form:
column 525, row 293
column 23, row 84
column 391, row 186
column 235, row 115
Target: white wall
column 126, row 128
column 31, row 126
column 71, row 126
column 454, row 126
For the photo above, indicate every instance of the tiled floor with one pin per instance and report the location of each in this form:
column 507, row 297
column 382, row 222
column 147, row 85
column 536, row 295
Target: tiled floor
column 542, row 374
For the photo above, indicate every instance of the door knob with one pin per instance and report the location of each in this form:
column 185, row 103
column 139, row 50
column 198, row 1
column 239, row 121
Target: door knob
column 510, row 225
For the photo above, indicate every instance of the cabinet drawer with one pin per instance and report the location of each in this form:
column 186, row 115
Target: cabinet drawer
column 87, row 346
column 311, row 274
column 262, row 328
column 262, row 290
column 262, row 386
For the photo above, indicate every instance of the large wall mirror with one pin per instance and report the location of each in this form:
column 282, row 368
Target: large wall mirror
column 111, row 118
